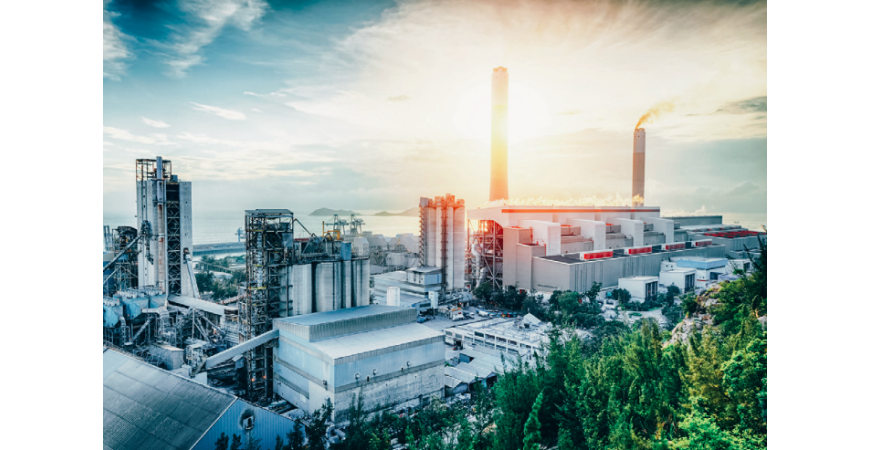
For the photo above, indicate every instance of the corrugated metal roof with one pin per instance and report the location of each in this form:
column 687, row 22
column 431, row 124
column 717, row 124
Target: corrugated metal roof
column 340, row 314
column 342, row 346
column 145, row 407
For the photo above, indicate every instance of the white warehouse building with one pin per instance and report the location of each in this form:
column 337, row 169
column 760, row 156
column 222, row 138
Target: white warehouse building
column 376, row 351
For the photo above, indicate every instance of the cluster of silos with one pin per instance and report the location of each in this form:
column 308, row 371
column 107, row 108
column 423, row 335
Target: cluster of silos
column 442, row 238
column 320, row 286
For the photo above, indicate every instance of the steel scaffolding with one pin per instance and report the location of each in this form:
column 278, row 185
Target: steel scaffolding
column 270, row 248
column 126, row 275
column 489, row 236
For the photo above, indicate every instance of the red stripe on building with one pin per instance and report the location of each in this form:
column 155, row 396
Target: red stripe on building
column 508, row 211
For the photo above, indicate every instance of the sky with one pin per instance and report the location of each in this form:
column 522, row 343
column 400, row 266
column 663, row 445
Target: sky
column 371, row 105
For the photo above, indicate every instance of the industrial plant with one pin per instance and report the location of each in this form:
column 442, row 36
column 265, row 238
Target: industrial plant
column 336, row 314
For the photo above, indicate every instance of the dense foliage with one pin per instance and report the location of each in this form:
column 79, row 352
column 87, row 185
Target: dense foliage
column 221, row 288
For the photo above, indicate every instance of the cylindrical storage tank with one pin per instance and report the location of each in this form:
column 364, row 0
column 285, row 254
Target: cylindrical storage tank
column 366, row 270
column 324, row 286
column 433, row 299
column 300, row 294
column 347, row 285
column 357, row 282
column 393, row 296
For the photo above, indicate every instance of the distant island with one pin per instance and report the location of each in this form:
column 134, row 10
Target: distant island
column 411, row 212
column 331, row 212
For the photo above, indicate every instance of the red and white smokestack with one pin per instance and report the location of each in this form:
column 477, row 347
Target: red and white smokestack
column 637, row 177
column 498, row 178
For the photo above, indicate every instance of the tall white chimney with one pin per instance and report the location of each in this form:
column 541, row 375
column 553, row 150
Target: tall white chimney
column 498, row 178
column 637, row 177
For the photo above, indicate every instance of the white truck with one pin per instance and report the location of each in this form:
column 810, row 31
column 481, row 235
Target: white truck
column 456, row 314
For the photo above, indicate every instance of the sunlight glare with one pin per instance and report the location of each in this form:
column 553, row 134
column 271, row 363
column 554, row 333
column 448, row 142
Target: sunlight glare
column 528, row 115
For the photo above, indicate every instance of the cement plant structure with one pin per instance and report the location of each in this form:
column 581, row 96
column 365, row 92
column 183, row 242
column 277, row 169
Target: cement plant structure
column 289, row 276
column 442, row 239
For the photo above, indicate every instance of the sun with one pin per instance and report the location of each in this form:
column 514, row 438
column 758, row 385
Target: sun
column 528, row 115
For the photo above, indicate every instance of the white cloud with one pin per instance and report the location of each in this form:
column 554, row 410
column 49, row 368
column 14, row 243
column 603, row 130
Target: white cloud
column 609, row 63
column 220, row 112
column 124, row 135
column 155, row 123
column 205, row 21
column 115, row 52
column 256, row 110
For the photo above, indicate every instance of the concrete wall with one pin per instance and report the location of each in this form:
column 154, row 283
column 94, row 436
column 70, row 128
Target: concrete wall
column 513, row 237
column 573, row 244
column 696, row 220
column 459, row 243
column 637, row 287
column 406, row 390
column 524, row 257
column 545, row 233
column 665, row 226
column 678, row 279
column 387, row 377
column 592, row 229
column 632, row 228
column 551, row 275
column 653, row 238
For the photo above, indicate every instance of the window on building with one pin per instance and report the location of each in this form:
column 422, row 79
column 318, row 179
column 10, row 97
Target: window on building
column 512, row 342
column 690, row 283
column 478, row 334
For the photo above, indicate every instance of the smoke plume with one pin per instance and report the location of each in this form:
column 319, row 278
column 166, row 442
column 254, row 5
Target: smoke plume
column 657, row 110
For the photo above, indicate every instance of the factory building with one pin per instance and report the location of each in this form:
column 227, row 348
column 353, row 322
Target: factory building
column 549, row 248
column 376, row 351
column 289, row 274
column 682, row 278
column 642, row 289
column 511, row 336
column 442, row 238
column 145, row 407
column 414, row 285
column 706, row 270
column 164, row 217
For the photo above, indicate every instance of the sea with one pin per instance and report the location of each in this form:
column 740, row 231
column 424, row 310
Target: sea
column 218, row 227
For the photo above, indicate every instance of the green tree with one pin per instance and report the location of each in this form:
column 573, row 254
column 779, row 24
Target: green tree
column 689, row 303
column 483, row 291
column 279, row 443
column 237, row 442
column 295, row 438
column 254, row 444
column 379, row 441
column 465, row 440
column 532, row 429
column 622, row 296
column 745, row 381
column 318, row 426
column 222, row 443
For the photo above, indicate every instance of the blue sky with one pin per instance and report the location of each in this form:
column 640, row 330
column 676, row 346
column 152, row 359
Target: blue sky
column 371, row 105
